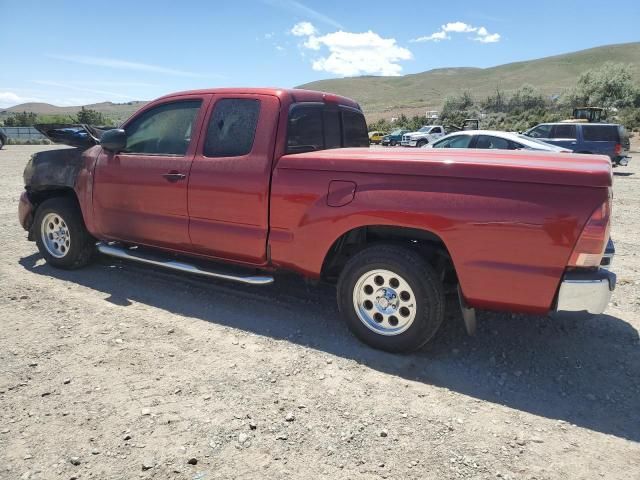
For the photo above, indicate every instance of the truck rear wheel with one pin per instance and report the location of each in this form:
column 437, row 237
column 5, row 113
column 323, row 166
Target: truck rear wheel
column 61, row 235
column 391, row 298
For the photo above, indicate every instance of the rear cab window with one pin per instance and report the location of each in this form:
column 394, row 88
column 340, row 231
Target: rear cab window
column 318, row 126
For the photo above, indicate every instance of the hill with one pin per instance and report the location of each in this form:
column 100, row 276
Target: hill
column 412, row 94
column 115, row 111
column 382, row 97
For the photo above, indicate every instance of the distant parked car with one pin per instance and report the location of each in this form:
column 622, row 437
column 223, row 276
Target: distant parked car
column 493, row 139
column 420, row 138
column 608, row 139
column 3, row 138
column 395, row 137
column 376, row 137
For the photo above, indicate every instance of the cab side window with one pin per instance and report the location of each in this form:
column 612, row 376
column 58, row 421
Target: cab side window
column 600, row 133
column 232, row 127
column 456, row 141
column 563, row 131
column 487, row 141
column 541, row 131
column 163, row 130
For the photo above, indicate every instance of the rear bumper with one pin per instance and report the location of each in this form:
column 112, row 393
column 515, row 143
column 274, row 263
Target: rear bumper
column 622, row 160
column 585, row 292
column 25, row 211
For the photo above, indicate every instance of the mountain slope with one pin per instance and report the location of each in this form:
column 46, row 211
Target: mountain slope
column 415, row 93
column 552, row 75
column 114, row 111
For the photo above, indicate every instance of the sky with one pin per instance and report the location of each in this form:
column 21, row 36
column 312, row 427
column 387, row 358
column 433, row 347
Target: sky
column 74, row 53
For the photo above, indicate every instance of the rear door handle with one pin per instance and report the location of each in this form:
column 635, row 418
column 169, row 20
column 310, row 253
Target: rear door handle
column 174, row 176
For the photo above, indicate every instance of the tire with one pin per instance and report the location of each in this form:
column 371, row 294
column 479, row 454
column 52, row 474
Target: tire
column 393, row 143
column 400, row 330
column 69, row 244
column 421, row 143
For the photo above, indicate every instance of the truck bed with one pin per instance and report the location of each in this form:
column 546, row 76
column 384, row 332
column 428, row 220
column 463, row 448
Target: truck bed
column 500, row 165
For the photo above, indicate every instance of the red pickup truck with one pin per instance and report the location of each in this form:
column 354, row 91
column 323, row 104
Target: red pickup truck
column 262, row 180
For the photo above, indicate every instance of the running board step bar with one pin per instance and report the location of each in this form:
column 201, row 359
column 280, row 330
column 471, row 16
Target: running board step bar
column 114, row 250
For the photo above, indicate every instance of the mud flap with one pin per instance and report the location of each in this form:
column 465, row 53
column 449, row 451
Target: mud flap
column 468, row 314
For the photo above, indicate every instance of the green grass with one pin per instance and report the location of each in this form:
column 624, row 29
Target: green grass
column 382, row 97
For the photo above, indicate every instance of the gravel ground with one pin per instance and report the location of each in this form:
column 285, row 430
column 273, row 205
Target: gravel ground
column 118, row 371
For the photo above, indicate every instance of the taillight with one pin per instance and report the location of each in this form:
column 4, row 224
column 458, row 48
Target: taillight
column 618, row 149
column 593, row 239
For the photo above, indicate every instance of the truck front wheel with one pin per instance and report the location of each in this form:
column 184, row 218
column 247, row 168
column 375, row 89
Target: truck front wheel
column 421, row 143
column 391, row 298
column 61, row 235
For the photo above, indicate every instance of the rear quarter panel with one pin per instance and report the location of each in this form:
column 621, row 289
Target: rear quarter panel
column 509, row 242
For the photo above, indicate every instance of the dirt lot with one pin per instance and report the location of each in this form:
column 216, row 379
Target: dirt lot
column 119, row 371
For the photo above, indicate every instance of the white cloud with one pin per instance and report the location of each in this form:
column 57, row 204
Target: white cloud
column 482, row 35
column 121, row 64
column 302, row 10
column 489, row 38
column 303, row 29
column 352, row 54
column 458, row 27
column 435, row 37
column 9, row 99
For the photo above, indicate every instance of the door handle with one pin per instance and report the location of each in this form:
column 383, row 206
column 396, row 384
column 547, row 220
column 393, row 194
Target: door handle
column 174, row 176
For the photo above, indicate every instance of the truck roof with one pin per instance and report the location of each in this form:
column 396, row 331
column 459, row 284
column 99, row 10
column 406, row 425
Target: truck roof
column 290, row 95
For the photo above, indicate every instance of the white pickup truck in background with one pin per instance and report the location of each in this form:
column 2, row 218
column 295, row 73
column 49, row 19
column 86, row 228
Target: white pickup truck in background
column 427, row 134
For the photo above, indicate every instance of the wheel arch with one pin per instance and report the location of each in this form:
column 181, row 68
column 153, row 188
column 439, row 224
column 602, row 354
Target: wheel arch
column 50, row 191
column 429, row 244
column 37, row 197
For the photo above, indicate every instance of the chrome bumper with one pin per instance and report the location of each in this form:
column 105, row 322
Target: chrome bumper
column 585, row 292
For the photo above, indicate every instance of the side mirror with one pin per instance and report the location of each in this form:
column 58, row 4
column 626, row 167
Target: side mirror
column 114, row 140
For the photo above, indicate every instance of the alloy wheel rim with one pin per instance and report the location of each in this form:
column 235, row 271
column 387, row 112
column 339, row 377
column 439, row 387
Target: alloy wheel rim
column 56, row 237
column 384, row 302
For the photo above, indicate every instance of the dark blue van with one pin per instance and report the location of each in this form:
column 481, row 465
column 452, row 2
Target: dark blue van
column 600, row 138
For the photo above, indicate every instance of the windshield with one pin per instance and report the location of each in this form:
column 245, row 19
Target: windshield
column 424, row 129
column 396, row 132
